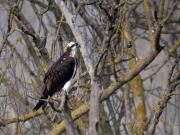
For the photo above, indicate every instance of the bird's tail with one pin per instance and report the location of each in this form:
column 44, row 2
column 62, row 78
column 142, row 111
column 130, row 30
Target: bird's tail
column 40, row 104
column 42, row 101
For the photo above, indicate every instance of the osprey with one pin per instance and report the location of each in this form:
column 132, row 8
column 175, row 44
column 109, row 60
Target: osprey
column 60, row 74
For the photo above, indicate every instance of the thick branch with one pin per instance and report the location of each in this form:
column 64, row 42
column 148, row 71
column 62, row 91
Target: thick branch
column 21, row 118
column 94, row 106
column 149, row 18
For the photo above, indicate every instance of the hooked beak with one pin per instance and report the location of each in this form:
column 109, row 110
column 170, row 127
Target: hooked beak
column 78, row 45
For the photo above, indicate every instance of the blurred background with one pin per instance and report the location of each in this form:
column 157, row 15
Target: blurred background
column 34, row 33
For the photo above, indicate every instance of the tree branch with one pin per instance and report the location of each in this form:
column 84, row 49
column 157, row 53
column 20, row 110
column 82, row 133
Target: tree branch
column 161, row 106
column 21, row 118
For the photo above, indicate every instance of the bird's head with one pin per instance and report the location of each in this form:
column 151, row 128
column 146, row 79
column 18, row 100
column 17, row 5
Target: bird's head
column 72, row 48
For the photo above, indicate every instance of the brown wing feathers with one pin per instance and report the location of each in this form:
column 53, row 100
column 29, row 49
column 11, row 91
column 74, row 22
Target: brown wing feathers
column 56, row 77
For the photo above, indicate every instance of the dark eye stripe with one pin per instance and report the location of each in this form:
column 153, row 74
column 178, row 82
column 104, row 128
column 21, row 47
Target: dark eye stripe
column 73, row 45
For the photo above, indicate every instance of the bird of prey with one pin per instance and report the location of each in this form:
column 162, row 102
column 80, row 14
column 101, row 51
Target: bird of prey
column 59, row 76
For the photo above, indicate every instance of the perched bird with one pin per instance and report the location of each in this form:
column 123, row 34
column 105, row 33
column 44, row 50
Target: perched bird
column 59, row 76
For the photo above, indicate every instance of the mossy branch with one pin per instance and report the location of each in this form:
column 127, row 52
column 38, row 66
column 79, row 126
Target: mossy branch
column 105, row 94
column 21, row 118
